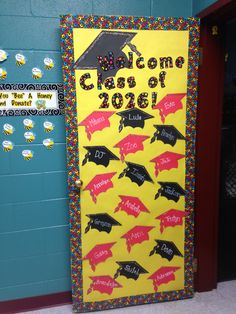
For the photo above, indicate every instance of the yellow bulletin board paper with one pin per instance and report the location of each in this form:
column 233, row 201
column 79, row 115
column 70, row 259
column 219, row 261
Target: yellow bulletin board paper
column 130, row 87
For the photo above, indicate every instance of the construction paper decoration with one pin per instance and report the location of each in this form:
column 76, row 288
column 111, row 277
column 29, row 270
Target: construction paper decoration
column 48, row 143
column 8, row 129
column 7, row 146
column 48, row 126
column 131, row 205
column 100, row 155
column 166, row 161
column 131, row 144
column 134, row 118
column 170, row 190
column 136, row 235
column 169, row 104
column 166, row 249
column 20, row 59
column 103, row 284
column 129, row 269
column 3, row 74
column 99, row 254
column 48, row 63
column 99, row 184
column 171, row 218
column 37, row 73
column 28, row 124
column 96, row 121
column 3, row 55
column 168, row 134
column 29, row 137
column 101, row 222
column 163, row 275
column 136, row 173
column 27, row 154
column 114, row 43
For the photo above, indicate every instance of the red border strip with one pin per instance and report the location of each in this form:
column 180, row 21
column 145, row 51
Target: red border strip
column 35, row 303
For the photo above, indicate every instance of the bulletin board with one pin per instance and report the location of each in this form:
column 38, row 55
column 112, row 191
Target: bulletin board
column 130, row 87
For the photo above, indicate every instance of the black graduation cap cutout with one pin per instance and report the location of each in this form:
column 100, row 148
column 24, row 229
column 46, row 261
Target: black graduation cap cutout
column 167, row 249
column 133, row 117
column 168, row 134
column 101, row 222
column 100, row 155
column 170, row 190
column 136, row 173
column 130, row 269
column 105, row 42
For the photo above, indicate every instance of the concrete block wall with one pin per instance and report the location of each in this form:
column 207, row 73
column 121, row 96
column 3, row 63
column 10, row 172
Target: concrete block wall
column 34, row 215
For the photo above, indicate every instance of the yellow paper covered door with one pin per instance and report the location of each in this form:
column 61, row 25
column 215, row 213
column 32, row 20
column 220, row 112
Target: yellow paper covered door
column 130, row 89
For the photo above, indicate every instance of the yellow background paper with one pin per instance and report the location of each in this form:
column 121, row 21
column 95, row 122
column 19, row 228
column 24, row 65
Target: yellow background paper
column 151, row 43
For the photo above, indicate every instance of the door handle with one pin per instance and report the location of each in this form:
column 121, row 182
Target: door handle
column 79, row 184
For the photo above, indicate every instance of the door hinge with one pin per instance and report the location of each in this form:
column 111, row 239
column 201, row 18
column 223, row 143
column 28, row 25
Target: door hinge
column 200, row 55
column 195, row 265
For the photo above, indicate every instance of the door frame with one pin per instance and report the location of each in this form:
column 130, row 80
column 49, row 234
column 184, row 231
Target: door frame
column 208, row 146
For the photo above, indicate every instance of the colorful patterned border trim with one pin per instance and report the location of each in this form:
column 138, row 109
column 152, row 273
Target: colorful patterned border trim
column 34, row 112
column 69, row 22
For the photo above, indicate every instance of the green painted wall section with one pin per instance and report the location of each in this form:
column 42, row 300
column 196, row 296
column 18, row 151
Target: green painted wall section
column 34, row 215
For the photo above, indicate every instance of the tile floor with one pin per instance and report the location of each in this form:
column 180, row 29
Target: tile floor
column 220, row 301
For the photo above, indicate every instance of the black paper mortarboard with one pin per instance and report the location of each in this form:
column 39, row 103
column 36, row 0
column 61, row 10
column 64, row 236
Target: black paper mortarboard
column 100, row 155
column 129, row 269
column 168, row 134
column 101, row 222
column 170, row 190
column 133, row 117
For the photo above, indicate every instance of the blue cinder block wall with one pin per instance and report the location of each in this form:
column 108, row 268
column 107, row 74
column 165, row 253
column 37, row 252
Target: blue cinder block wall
column 34, row 220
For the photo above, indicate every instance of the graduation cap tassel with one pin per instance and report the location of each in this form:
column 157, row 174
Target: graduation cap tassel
column 121, row 124
column 117, row 272
column 162, row 227
column 123, row 173
column 86, row 158
column 153, row 138
column 153, row 251
column 155, row 285
column 88, row 226
column 158, row 193
column 90, row 289
column 133, row 48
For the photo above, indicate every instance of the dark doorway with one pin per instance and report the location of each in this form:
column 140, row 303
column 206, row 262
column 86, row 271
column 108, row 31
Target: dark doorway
column 227, row 215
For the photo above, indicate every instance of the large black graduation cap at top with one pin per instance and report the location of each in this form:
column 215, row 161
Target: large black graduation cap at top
column 106, row 41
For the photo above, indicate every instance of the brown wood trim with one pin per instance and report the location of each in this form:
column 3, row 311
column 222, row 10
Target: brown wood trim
column 213, row 8
column 210, row 102
column 35, row 303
